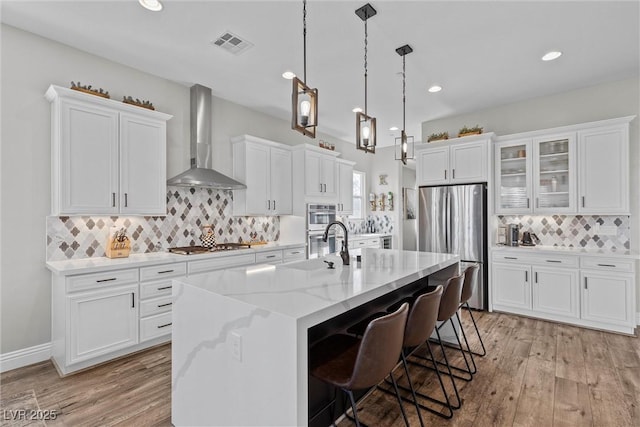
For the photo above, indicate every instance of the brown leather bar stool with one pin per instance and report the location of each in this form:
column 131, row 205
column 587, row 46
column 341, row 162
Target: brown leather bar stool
column 351, row 363
column 470, row 275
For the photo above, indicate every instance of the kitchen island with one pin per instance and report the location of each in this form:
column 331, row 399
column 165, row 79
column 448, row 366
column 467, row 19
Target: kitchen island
column 241, row 336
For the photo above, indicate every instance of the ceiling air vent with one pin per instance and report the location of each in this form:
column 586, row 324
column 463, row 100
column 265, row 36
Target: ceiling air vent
column 232, row 43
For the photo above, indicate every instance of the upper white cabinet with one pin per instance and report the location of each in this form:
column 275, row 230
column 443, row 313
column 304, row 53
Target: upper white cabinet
column 265, row 167
column 604, row 170
column 345, row 186
column 574, row 169
column 536, row 174
column 107, row 157
column 455, row 161
column 314, row 176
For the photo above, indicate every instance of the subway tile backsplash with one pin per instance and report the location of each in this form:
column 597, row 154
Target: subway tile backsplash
column 188, row 209
column 577, row 231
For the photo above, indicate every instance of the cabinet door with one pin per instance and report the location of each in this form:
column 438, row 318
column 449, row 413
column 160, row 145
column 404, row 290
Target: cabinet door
column 432, row 166
column 312, row 172
column 513, row 177
column 469, row 162
column 554, row 172
column 511, row 286
column 345, row 188
column 329, row 176
column 143, row 166
column 604, row 171
column 88, row 150
column 257, row 179
column 280, row 182
column 608, row 298
column 555, row 291
column 101, row 322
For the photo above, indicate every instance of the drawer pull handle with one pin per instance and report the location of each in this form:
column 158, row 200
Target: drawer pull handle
column 164, row 288
column 164, row 326
column 164, row 305
column 606, row 265
column 133, row 300
column 165, row 271
column 270, row 256
column 554, row 260
column 295, row 253
column 106, row 280
column 510, row 257
column 585, row 283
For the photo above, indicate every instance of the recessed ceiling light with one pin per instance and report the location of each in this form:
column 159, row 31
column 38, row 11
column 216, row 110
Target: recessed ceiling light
column 288, row 75
column 550, row 56
column 153, row 5
column 435, row 88
column 357, row 110
column 393, row 128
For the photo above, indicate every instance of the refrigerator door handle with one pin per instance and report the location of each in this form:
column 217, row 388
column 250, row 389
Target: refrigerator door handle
column 448, row 222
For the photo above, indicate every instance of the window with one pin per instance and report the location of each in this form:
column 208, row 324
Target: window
column 359, row 199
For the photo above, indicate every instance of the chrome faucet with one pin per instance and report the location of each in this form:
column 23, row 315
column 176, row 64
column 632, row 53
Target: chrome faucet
column 344, row 252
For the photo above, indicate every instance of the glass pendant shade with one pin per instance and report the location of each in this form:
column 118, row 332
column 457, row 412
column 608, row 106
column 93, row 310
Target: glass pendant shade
column 404, row 147
column 365, row 133
column 304, row 107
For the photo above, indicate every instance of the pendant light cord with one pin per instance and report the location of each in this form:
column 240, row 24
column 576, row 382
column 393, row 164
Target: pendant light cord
column 365, row 64
column 304, row 37
column 403, row 95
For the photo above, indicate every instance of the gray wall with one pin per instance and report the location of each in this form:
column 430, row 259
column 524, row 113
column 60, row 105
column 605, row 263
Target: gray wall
column 29, row 65
column 606, row 101
column 409, row 226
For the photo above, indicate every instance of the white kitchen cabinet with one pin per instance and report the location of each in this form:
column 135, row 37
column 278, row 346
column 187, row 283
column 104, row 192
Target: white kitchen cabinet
column 607, row 297
column 102, row 321
column 604, row 170
column 536, row 175
column 555, row 291
column 345, row 186
column 455, row 161
column 265, row 167
column 314, row 177
column 511, row 287
column 107, row 157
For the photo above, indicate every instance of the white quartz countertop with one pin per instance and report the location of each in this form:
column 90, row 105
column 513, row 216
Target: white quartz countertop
column 99, row 264
column 569, row 251
column 306, row 288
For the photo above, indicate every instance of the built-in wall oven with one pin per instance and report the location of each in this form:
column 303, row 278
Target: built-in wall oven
column 318, row 217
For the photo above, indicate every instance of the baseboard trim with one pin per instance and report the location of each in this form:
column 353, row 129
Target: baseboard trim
column 638, row 318
column 24, row 357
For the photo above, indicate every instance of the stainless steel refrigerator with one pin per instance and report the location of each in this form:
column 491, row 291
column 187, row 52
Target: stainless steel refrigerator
column 453, row 219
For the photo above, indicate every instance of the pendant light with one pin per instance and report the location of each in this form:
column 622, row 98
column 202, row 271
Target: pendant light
column 304, row 100
column 404, row 144
column 365, row 124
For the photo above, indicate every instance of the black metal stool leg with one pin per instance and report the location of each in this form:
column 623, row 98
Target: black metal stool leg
column 484, row 350
column 444, row 354
column 464, row 335
column 461, row 348
column 413, row 392
column 395, row 386
column 353, row 406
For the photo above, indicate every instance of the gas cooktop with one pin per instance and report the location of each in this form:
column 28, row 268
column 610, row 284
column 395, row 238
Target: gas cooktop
column 219, row 247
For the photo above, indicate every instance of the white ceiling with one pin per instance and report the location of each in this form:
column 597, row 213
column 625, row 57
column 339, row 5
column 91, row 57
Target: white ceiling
column 483, row 53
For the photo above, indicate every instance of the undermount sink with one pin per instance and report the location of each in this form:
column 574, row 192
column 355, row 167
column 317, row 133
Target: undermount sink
column 314, row 264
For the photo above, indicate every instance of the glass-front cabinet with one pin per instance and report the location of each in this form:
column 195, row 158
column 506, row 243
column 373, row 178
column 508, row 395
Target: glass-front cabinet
column 536, row 175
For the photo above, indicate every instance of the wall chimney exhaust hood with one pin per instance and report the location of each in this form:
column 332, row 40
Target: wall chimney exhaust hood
column 201, row 174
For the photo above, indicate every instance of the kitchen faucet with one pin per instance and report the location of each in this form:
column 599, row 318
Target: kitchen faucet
column 344, row 252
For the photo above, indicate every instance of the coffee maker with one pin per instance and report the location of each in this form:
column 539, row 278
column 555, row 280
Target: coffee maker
column 513, row 234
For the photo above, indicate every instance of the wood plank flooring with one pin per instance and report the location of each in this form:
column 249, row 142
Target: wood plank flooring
column 536, row 373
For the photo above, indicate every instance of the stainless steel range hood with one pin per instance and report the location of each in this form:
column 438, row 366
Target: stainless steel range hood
column 201, row 174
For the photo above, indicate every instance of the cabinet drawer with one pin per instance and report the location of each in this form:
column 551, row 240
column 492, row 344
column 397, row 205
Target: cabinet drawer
column 155, row 326
column 202, row 266
column 294, row 254
column 102, row 280
column 609, row 264
column 373, row 243
column 165, row 270
column 551, row 260
column 269, row 257
column 154, row 289
column 156, row 306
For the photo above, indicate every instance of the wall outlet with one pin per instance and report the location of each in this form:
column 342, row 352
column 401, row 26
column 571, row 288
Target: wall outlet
column 236, row 346
column 606, row 230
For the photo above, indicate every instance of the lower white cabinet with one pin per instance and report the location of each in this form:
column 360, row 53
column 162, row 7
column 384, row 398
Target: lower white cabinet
column 101, row 322
column 587, row 291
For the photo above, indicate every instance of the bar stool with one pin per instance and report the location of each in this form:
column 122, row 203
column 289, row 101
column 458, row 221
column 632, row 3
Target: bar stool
column 350, row 363
column 470, row 274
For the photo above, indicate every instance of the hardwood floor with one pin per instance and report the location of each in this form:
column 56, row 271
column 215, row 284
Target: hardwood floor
column 536, row 373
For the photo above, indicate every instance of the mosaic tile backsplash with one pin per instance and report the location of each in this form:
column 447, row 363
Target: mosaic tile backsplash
column 188, row 209
column 381, row 224
column 577, row 231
